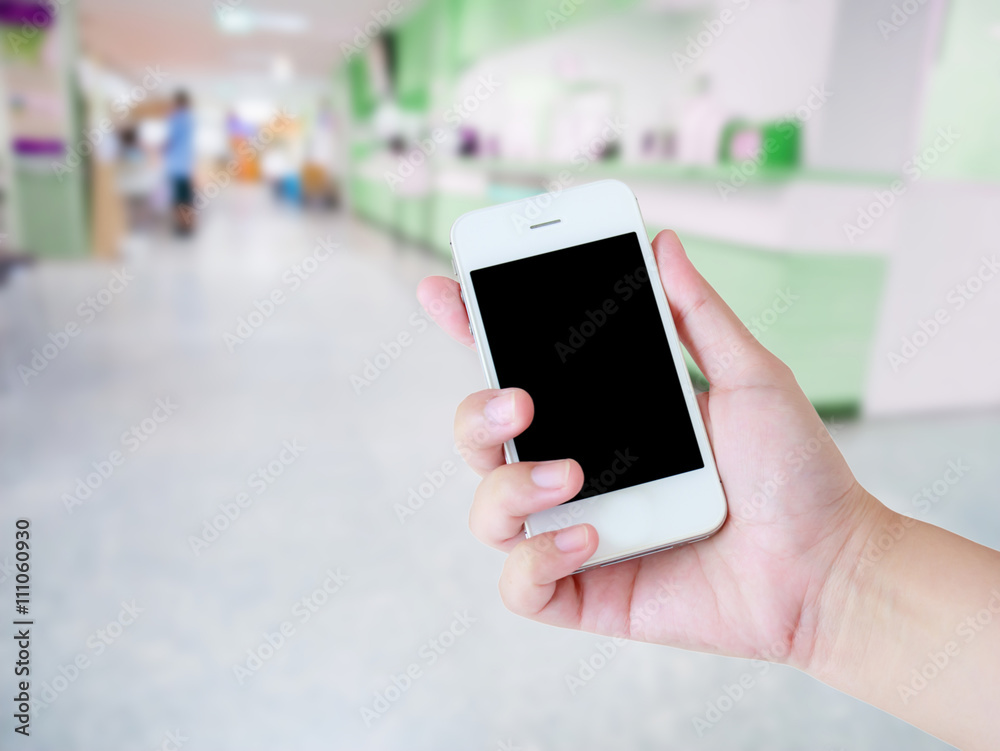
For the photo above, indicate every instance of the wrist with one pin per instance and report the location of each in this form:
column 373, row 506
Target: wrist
column 895, row 624
column 838, row 626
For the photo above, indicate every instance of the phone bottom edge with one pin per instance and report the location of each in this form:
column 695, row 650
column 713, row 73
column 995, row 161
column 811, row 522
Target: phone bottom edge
column 650, row 551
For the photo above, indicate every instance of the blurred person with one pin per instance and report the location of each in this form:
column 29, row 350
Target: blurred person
column 820, row 576
column 136, row 179
column 278, row 171
column 179, row 158
column 319, row 186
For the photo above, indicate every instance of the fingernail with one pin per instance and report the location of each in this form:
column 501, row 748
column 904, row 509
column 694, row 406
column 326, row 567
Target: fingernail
column 500, row 409
column 573, row 539
column 550, row 474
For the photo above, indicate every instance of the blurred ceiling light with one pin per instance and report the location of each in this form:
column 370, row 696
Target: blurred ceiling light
column 282, row 70
column 233, row 20
column 995, row 31
column 254, row 111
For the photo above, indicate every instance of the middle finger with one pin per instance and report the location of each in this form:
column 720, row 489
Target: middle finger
column 509, row 493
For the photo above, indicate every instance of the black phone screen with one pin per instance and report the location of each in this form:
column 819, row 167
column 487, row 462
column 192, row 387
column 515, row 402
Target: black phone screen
column 580, row 331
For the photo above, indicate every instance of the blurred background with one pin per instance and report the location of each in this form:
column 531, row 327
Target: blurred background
column 229, row 422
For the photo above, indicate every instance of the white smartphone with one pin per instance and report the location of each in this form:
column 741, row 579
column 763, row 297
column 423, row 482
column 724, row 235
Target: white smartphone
column 565, row 301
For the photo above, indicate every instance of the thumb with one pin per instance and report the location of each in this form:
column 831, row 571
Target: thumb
column 725, row 350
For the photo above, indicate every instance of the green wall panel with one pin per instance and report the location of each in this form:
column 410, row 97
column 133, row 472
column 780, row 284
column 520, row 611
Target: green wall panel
column 446, row 208
column 52, row 214
column 362, row 97
column 416, row 38
column 832, row 300
column 486, row 26
column 412, row 219
column 373, row 201
column 964, row 96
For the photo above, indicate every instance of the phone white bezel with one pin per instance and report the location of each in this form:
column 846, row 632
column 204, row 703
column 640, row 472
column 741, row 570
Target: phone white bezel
column 631, row 521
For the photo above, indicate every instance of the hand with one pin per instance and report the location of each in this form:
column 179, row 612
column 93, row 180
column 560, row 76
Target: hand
column 809, row 569
column 797, row 516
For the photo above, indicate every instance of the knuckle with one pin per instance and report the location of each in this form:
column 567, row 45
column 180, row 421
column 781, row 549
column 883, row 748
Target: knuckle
column 530, row 554
column 457, row 426
column 511, row 588
column 478, row 512
column 474, row 520
column 784, row 373
column 478, row 438
column 505, row 595
column 487, row 508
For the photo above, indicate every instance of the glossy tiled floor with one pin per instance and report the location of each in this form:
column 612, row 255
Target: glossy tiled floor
column 329, row 506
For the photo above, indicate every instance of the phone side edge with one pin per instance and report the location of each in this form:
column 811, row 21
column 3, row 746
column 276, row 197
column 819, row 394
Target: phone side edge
column 475, row 321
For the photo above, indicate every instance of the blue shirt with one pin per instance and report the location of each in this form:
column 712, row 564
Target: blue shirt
column 179, row 149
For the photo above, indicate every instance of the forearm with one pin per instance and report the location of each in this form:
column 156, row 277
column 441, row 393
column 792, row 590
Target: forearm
column 911, row 624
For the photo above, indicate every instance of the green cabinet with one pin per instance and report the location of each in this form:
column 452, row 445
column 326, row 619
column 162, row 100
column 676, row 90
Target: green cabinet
column 815, row 311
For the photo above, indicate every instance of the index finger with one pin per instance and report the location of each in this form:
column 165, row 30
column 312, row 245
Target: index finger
column 441, row 298
column 485, row 420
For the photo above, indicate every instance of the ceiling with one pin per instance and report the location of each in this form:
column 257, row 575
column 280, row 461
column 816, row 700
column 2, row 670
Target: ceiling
column 184, row 37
